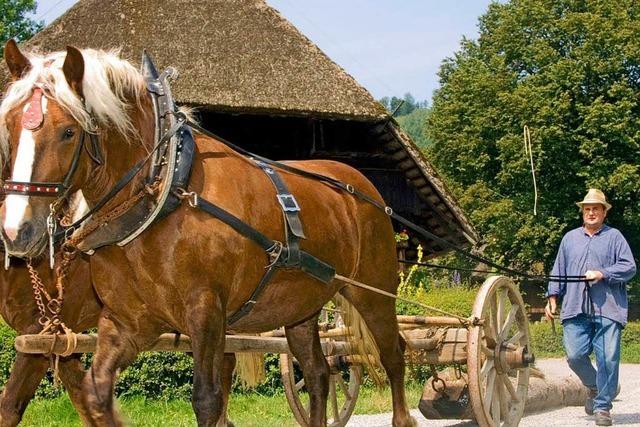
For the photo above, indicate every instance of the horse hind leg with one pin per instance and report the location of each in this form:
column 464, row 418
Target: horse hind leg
column 28, row 370
column 227, row 380
column 304, row 343
column 379, row 314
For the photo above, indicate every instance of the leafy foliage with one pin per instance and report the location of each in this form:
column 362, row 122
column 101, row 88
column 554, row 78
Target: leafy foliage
column 411, row 115
column 414, row 124
column 405, row 105
column 14, row 22
column 570, row 71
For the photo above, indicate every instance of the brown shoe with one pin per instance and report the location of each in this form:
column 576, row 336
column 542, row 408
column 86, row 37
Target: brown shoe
column 603, row 418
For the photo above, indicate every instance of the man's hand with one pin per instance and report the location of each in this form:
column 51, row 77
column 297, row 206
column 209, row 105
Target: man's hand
column 550, row 309
column 593, row 276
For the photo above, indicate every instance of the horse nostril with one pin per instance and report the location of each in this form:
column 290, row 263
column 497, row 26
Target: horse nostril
column 26, row 232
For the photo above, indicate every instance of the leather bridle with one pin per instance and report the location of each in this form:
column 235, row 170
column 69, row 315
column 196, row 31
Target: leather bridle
column 32, row 120
column 57, row 189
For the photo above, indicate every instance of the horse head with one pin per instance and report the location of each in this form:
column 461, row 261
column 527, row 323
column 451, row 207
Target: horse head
column 63, row 116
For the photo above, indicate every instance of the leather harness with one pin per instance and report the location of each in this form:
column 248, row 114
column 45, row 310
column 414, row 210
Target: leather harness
column 171, row 159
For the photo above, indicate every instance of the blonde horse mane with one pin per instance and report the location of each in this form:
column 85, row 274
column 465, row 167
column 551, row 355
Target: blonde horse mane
column 109, row 84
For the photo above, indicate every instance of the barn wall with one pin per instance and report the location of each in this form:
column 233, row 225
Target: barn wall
column 296, row 138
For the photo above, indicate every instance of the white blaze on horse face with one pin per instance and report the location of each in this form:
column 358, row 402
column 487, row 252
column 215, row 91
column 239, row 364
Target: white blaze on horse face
column 15, row 204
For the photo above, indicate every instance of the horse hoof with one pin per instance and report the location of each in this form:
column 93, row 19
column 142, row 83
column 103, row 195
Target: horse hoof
column 410, row 422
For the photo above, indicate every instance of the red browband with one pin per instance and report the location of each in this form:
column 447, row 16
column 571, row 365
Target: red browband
column 30, row 189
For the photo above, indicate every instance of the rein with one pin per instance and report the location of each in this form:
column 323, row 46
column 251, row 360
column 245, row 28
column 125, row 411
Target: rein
column 386, row 209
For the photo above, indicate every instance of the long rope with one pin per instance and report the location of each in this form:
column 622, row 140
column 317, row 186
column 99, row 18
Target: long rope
column 567, row 279
column 388, row 210
column 463, row 320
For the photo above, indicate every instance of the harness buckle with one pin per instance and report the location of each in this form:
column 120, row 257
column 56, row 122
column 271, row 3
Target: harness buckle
column 288, row 203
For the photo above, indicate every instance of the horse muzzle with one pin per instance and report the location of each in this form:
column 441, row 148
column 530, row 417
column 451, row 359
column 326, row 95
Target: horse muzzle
column 27, row 241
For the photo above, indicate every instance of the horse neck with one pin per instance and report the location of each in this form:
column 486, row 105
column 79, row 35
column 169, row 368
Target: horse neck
column 121, row 153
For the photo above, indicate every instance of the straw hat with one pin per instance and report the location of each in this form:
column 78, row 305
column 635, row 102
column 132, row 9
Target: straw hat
column 595, row 196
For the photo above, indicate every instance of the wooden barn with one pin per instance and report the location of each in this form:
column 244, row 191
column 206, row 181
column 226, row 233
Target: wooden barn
column 260, row 83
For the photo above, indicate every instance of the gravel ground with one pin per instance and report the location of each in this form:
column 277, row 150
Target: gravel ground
column 626, row 408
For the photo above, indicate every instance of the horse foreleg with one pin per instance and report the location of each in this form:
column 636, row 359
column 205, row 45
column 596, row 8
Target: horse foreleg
column 227, row 379
column 28, row 370
column 304, row 343
column 379, row 314
column 207, row 332
column 114, row 351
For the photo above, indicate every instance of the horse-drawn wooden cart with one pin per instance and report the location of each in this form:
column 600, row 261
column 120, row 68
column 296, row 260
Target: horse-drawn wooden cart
column 493, row 343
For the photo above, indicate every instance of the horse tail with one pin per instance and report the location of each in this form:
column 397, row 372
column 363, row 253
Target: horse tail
column 361, row 341
column 250, row 369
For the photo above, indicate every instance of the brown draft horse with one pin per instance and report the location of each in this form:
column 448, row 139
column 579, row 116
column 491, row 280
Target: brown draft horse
column 189, row 271
column 18, row 308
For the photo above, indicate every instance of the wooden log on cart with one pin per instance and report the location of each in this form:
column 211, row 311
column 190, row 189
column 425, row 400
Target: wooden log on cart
column 437, row 350
column 429, row 321
column 86, row 343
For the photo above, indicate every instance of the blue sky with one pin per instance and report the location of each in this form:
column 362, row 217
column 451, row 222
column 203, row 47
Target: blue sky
column 390, row 47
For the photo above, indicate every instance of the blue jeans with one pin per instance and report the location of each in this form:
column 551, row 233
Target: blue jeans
column 585, row 334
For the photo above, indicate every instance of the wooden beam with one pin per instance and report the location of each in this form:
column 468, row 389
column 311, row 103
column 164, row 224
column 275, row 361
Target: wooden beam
column 86, row 343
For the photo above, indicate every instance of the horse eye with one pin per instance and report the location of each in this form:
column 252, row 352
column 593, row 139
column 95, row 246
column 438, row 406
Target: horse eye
column 68, row 133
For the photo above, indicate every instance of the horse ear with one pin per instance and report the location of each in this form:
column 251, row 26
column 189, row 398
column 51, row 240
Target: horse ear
column 18, row 63
column 73, row 69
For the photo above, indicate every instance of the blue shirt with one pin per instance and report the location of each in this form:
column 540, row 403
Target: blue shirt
column 606, row 251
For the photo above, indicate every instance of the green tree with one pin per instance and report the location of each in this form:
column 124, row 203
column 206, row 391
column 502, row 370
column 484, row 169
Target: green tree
column 14, row 22
column 570, row 71
column 414, row 124
column 411, row 116
column 401, row 106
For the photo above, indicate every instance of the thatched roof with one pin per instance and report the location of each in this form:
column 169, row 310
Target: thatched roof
column 231, row 54
column 242, row 56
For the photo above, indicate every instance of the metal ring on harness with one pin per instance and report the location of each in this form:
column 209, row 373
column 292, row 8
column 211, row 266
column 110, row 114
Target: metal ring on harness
column 191, row 196
column 388, row 210
column 350, row 188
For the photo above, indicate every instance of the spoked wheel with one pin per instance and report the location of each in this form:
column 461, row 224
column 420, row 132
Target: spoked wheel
column 344, row 386
column 498, row 354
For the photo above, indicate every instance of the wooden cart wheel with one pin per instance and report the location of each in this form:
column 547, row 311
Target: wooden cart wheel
column 344, row 386
column 498, row 354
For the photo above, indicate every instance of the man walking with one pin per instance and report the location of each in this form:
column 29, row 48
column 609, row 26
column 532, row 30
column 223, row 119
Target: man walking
column 595, row 311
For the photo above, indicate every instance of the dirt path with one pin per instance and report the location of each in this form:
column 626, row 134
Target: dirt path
column 626, row 408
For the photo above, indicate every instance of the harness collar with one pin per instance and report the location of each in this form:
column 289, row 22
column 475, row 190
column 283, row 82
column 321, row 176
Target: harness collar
column 170, row 166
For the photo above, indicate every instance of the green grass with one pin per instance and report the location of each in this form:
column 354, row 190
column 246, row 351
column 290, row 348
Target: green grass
column 249, row 409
